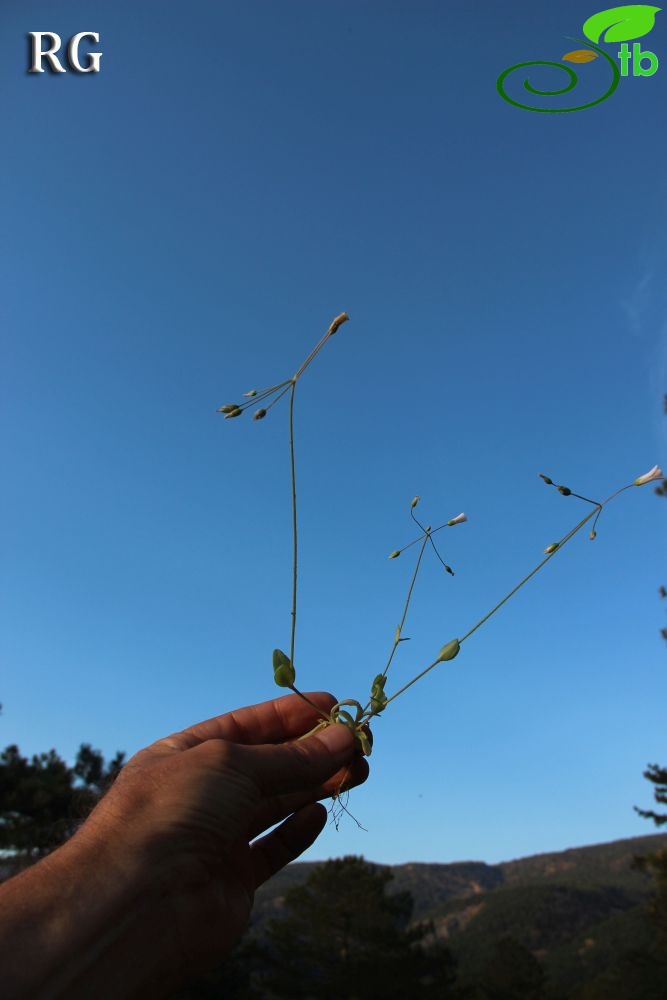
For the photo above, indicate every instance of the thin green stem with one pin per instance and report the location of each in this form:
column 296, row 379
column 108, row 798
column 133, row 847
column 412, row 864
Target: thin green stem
column 294, row 524
column 407, row 603
column 410, row 683
column 539, row 566
column 312, row 704
column 493, row 610
column 448, row 568
column 279, row 396
column 315, row 351
column 595, row 503
column 419, row 538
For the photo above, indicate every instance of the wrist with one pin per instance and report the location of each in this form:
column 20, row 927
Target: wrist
column 85, row 922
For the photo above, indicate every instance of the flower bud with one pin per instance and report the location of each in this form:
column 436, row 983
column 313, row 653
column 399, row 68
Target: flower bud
column 654, row 473
column 236, row 412
column 459, row 519
column 337, row 322
column 415, row 501
column 593, row 535
column 397, row 635
column 449, row 651
column 259, row 414
column 564, row 490
column 283, row 671
column 378, row 697
column 551, row 548
column 546, row 479
column 228, row 408
column 394, row 555
column 253, row 392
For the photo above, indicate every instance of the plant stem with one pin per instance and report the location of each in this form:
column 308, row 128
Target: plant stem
column 294, row 525
column 532, row 573
column 304, row 697
column 493, row 610
column 407, row 604
column 410, row 683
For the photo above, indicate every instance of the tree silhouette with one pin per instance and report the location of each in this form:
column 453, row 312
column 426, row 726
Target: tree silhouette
column 344, row 936
column 657, row 775
column 512, row 973
column 43, row 801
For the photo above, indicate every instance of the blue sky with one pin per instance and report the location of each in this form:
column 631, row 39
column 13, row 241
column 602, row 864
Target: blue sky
column 181, row 228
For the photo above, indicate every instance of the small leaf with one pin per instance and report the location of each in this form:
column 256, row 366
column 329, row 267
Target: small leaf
column 283, row 671
column 580, row 56
column 621, row 24
column 363, row 739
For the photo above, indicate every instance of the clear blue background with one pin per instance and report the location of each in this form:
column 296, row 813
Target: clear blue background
column 181, row 228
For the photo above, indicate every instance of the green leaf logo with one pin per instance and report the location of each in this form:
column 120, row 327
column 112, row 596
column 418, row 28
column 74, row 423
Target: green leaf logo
column 621, row 24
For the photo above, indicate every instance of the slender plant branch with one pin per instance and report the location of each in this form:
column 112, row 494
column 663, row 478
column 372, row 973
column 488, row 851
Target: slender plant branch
column 448, row 568
column 405, row 607
column 493, row 610
column 284, row 670
column 294, row 524
column 539, row 566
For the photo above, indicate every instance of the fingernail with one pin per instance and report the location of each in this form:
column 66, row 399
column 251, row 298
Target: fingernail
column 336, row 738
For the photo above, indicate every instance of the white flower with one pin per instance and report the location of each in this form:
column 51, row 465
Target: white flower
column 459, row 519
column 654, row 473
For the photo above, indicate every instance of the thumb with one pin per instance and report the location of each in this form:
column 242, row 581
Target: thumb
column 299, row 764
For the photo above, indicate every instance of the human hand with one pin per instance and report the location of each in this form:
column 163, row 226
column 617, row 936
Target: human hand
column 187, row 810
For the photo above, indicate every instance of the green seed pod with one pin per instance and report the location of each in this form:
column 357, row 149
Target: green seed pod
column 449, row 651
column 228, row 408
column 253, row 392
column 551, row 548
column 415, row 501
column 394, row 555
column 236, row 412
column 259, row 414
column 564, row 490
column 593, row 535
column 283, row 671
column 546, row 479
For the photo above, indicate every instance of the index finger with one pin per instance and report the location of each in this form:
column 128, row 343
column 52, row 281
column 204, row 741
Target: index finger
column 272, row 721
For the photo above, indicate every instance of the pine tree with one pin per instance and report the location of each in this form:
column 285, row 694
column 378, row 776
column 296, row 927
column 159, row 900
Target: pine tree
column 43, row 801
column 345, row 937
